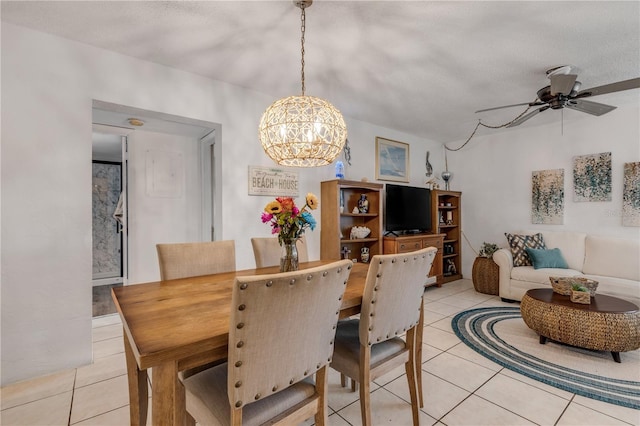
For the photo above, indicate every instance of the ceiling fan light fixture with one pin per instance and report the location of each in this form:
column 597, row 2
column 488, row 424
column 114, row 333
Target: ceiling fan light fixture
column 302, row 131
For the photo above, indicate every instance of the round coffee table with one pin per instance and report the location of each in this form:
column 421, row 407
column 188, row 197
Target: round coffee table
column 607, row 324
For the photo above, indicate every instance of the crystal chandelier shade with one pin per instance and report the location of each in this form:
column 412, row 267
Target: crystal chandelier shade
column 302, row 131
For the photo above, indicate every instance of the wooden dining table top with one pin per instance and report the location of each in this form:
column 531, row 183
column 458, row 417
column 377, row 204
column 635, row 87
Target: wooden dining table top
column 176, row 319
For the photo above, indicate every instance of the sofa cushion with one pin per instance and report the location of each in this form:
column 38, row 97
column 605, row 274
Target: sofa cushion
column 617, row 287
column 613, row 257
column 518, row 243
column 541, row 276
column 551, row 258
column 571, row 244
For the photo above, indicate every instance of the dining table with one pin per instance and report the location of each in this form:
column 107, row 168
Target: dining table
column 173, row 325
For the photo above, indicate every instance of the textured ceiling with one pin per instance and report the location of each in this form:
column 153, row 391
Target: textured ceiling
column 418, row 67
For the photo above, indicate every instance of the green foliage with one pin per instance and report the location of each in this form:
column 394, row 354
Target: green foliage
column 487, row 250
column 578, row 287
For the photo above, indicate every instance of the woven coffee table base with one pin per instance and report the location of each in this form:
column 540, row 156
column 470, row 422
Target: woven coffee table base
column 602, row 331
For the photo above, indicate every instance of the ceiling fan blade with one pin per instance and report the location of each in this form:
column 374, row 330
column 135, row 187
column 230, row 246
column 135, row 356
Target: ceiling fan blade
column 593, row 108
column 524, row 118
column 633, row 83
column 562, row 83
column 509, row 106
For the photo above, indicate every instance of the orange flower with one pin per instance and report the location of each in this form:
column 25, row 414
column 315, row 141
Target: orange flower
column 286, row 203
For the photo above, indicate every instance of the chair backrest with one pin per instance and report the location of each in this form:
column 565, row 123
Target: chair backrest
column 183, row 260
column 393, row 294
column 282, row 328
column 267, row 251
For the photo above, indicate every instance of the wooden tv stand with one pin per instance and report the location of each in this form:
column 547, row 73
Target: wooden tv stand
column 411, row 242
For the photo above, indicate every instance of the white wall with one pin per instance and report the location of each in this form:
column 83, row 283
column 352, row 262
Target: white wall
column 48, row 85
column 494, row 173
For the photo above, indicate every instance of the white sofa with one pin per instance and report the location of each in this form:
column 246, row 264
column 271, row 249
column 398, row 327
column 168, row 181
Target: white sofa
column 613, row 262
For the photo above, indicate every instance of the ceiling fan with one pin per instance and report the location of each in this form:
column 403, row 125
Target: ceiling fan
column 564, row 92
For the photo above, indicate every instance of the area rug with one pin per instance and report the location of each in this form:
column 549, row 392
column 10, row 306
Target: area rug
column 501, row 335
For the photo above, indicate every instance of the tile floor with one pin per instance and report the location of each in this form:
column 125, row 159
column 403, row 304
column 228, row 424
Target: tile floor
column 461, row 387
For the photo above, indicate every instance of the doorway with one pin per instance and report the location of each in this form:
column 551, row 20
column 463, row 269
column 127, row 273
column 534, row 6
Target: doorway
column 169, row 170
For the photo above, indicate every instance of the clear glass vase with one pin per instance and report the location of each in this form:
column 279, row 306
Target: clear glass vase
column 288, row 256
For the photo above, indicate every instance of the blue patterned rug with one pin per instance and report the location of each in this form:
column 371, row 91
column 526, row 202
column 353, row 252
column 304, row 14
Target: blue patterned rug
column 501, row 335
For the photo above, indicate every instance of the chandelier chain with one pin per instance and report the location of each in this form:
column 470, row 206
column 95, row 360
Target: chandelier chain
column 488, row 126
column 303, row 22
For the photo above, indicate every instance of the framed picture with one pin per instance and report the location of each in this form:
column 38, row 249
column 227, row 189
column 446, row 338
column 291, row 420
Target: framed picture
column 392, row 160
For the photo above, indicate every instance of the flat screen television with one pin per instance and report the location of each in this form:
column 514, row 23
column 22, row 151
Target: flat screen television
column 407, row 209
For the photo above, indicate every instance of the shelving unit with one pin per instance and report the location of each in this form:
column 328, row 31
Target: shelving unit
column 446, row 217
column 336, row 223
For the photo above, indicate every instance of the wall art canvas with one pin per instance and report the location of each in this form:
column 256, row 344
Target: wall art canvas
column 392, row 160
column 631, row 195
column 547, row 197
column 592, row 177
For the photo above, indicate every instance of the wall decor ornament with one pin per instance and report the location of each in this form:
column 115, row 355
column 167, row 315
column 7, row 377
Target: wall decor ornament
column 631, row 195
column 392, row 160
column 547, row 197
column 592, row 177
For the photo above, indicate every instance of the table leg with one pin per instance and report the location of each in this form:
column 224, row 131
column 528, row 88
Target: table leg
column 616, row 356
column 420, row 331
column 543, row 340
column 138, row 388
column 168, row 397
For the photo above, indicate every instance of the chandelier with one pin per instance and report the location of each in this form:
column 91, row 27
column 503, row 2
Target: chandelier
column 302, row 131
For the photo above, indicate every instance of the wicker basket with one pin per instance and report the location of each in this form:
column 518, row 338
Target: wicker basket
column 583, row 297
column 563, row 285
column 485, row 275
column 591, row 285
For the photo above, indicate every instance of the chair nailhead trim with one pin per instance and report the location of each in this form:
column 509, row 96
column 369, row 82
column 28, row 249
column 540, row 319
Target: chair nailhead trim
column 292, row 282
column 309, row 277
column 325, row 273
column 318, row 366
column 238, row 363
column 243, row 286
column 291, row 381
column 238, row 404
column 240, row 325
column 306, row 372
column 240, row 344
column 258, row 396
column 242, row 307
column 275, row 388
column 269, row 283
column 393, row 261
column 238, row 384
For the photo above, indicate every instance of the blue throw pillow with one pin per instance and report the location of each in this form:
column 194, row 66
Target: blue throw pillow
column 547, row 258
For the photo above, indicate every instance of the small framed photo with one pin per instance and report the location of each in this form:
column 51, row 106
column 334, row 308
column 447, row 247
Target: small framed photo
column 392, row 160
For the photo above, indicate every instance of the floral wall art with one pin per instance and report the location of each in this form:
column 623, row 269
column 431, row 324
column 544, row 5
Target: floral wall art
column 592, row 177
column 547, row 197
column 631, row 195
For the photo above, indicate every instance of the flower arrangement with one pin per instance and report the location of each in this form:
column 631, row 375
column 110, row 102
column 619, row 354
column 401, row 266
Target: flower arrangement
column 487, row 250
column 287, row 220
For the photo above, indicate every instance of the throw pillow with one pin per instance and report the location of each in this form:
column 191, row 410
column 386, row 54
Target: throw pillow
column 546, row 258
column 518, row 243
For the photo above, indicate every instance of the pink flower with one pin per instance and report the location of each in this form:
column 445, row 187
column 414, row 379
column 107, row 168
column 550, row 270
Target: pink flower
column 266, row 217
column 295, row 211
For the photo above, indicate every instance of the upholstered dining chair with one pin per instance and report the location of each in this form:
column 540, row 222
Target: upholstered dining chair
column 281, row 333
column 371, row 346
column 181, row 260
column 267, row 251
